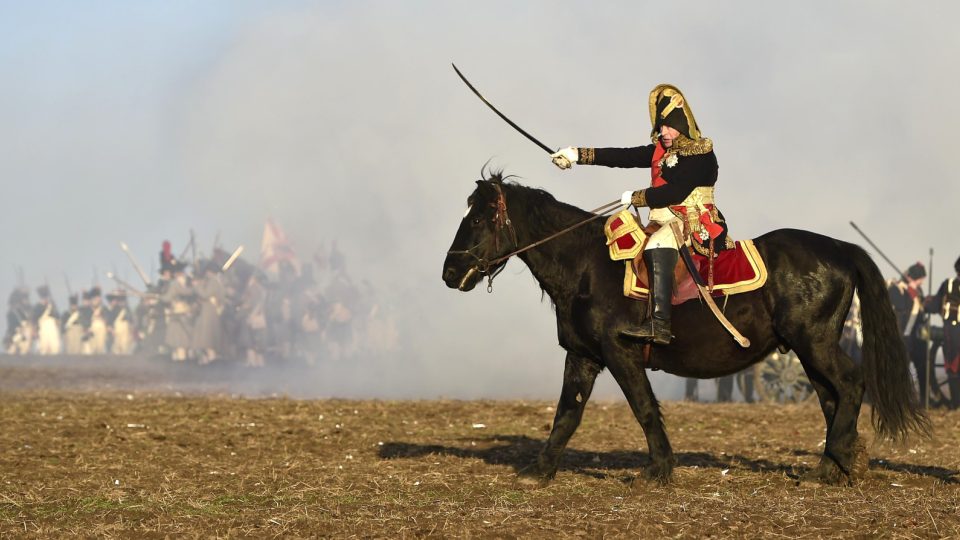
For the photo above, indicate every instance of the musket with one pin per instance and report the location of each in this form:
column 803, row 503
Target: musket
column 925, row 320
column 66, row 280
column 133, row 261
column 185, row 249
column 126, row 286
column 193, row 249
column 892, row 265
column 233, row 257
column 500, row 114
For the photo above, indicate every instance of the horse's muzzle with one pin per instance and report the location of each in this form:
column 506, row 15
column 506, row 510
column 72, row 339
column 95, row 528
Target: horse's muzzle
column 466, row 283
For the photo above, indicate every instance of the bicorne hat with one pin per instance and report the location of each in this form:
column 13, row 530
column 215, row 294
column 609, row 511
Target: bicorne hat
column 668, row 107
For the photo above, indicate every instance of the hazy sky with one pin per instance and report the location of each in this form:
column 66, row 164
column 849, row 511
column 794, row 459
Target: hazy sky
column 138, row 121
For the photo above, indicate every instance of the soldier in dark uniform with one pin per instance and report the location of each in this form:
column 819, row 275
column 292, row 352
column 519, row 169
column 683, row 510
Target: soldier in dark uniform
column 947, row 302
column 683, row 171
column 906, row 296
column 19, row 336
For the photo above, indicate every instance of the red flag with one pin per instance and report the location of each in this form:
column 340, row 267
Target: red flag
column 275, row 248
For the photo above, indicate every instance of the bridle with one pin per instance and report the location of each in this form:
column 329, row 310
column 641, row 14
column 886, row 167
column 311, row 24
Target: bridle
column 501, row 220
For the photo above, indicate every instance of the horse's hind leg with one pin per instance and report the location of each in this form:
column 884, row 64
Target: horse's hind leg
column 839, row 386
column 579, row 375
column 633, row 380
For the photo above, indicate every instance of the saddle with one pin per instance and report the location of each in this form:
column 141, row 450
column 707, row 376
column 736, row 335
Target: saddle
column 736, row 270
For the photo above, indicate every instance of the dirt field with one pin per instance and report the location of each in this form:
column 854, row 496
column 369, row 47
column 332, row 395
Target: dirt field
column 148, row 462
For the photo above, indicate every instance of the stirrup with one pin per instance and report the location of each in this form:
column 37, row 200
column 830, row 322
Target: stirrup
column 653, row 330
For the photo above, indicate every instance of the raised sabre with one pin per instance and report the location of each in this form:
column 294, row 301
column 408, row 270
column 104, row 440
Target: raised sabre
column 500, row 114
column 704, row 293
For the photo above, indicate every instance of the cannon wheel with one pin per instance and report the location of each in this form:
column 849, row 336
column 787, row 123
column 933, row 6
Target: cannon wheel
column 780, row 379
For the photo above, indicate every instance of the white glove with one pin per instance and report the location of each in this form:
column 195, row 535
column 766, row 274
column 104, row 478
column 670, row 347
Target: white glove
column 626, row 198
column 565, row 157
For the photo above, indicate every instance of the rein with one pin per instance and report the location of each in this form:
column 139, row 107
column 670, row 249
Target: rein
column 500, row 221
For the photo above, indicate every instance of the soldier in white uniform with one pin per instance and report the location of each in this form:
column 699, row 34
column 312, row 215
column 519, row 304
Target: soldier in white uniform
column 45, row 320
column 72, row 328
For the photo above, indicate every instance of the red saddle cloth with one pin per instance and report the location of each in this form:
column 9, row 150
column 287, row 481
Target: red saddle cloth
column 736, row 270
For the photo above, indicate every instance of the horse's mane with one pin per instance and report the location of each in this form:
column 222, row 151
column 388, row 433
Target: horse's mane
column 541, row 203
column 543, row 213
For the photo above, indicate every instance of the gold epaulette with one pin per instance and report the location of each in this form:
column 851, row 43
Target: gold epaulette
column 586, row 156
column 684, row 146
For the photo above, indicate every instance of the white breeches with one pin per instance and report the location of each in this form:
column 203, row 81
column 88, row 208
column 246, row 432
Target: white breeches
column 664, row 238
column 48, row 332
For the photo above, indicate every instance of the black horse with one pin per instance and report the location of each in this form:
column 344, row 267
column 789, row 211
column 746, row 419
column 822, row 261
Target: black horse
column 802, row 306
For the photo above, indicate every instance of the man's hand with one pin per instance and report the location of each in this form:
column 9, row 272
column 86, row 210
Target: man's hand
column 565, row 157
column 627, row 198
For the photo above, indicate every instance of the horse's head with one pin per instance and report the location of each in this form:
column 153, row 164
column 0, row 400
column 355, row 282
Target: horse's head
column 485, row 238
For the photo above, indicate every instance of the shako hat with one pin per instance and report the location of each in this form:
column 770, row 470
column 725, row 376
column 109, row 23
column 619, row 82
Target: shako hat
column 916, row 271
column 668, row 107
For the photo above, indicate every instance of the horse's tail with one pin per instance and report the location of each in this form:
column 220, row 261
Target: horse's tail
column 886, row 371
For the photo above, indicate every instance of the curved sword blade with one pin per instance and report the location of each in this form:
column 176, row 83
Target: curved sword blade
column 500, row 114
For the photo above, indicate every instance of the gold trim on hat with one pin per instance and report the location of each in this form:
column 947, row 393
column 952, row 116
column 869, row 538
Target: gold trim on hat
column 676, row 101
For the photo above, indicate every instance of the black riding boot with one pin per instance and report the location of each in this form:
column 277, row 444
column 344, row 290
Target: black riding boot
column 656, row 328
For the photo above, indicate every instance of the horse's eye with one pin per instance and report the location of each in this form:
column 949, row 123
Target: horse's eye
column 476, row 221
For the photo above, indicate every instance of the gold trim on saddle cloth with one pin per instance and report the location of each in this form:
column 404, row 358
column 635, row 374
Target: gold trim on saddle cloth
column 632, row 290
column 627, row 239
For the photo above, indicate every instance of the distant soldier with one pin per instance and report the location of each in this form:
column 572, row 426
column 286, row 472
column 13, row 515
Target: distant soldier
column 121, row 323
column 46, row 321
column 252, row 312
column 177, row 296
column 907, row 299
column 19, row 336
column 947, row 303
column 72, row 328
column 94, row 317
column 150, row 321
column 207, row 329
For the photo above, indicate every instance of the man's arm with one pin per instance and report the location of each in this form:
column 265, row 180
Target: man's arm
column 621, row 158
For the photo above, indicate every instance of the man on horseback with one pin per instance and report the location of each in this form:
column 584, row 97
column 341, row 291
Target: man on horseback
column 683, row 171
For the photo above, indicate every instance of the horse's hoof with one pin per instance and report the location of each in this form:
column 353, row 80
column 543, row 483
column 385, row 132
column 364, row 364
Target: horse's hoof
column 532, row 478
column 661, row 473
column 827, row 473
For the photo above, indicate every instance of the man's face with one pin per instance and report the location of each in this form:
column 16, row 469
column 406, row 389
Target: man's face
column 916, row 283
column 667, row 136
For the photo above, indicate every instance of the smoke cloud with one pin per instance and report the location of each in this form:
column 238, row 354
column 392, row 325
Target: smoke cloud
column 344, row 121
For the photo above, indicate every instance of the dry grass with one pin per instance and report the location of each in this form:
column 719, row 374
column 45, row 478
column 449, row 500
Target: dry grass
column 145, row 464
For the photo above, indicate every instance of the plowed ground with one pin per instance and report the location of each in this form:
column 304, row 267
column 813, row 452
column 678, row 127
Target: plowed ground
column 144, row 463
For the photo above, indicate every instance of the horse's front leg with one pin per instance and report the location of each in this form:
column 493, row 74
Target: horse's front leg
column 626, row 367
column 579, row 375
